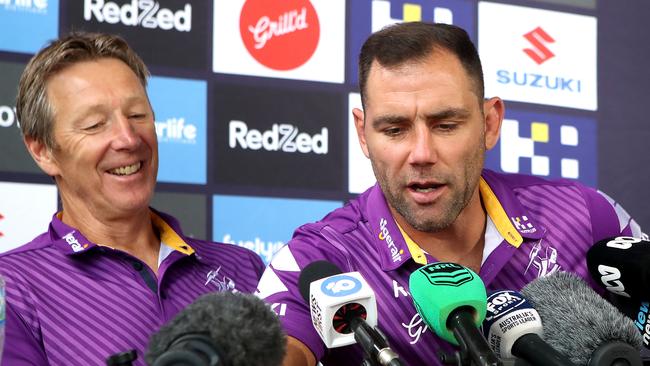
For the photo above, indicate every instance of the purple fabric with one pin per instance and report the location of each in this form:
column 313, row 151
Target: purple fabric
column 349, row 237
column 77, row 308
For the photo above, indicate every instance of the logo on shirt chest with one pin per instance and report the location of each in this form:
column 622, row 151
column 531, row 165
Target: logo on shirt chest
column 543, row 258
column 523, row 225
column 222, row 282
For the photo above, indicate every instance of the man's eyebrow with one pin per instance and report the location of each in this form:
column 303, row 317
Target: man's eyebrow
column 450, row 113
column 388, row 119
column 91, row 109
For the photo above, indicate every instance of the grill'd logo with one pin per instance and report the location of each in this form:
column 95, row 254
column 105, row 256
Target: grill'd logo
column 540, row 53
column 281, row 35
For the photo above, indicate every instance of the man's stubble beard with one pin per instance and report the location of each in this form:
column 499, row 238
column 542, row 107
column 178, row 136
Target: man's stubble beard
column 455, row 204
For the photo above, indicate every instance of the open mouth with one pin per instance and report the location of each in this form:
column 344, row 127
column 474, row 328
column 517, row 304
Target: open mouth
column 127, row 169
column 424, row 187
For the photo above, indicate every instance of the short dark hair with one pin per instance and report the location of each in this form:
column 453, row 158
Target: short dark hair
column 32, row 106
column 413, row 41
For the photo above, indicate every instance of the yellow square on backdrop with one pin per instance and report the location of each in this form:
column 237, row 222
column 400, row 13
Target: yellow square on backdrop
column 539, row 131
column 412, row 12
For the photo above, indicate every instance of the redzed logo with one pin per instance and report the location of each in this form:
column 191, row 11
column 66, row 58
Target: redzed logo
column 281, row 35
column 1, row 234
column 540, row 53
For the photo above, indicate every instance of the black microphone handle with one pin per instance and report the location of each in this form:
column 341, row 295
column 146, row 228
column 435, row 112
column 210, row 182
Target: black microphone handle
column 532, row 348
column 461, row 322
column 373, row 343
column 122, row 358
column 615, row 353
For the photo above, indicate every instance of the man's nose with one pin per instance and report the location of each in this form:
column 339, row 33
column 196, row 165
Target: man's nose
column 423, row 150
column 125, row 134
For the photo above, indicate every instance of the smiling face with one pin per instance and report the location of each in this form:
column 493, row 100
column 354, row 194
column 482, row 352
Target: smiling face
column 425, row 132
column 106, row 156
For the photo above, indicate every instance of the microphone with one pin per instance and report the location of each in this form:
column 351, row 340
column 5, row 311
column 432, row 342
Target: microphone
column 581, row 324
column 219, row 329
column 620, row 265
column 452, row 301
column 513, row 328
column 344, row 310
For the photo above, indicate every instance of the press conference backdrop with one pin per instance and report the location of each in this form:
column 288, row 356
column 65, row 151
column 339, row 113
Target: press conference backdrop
column 571, row 71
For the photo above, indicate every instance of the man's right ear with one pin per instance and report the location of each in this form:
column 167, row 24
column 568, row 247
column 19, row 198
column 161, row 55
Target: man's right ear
column 359, row 125
column 42, row 155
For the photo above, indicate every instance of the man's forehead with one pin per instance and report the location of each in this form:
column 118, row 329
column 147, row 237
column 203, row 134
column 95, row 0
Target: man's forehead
column 78, row 86
column 437, row 58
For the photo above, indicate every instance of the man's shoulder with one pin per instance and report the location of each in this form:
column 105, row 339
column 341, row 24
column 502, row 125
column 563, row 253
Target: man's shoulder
column 564, row 201
column 532, row 188
column 35, row 249
column 515, row 181
column 341, row 220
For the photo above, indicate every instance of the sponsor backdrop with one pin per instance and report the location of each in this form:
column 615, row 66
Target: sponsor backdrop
column 253, row 101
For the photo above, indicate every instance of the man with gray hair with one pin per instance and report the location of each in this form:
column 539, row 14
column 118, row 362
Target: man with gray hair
column 110, row 269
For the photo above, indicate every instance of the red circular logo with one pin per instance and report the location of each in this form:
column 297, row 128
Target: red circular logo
column 280, row 35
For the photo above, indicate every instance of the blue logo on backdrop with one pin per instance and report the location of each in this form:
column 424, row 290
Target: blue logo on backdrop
column 371, row 16
column 340, row 285
column 180, row 107
column 546, row 145
column 263, row 225
column 26, row 25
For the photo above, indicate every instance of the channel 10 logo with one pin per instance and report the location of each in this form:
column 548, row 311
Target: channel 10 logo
column 340, row 285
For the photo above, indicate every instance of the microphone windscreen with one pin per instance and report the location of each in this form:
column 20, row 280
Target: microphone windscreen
column 576, row 319
column 242, row 327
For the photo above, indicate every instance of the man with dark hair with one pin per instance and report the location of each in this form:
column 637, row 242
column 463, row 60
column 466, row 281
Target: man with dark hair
column 426, row 127
column 110, row 270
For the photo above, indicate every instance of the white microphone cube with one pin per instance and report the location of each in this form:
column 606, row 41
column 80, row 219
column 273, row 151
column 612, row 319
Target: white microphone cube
column 328, row 295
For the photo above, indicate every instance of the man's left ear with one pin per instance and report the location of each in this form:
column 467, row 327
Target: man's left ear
column 493, row 110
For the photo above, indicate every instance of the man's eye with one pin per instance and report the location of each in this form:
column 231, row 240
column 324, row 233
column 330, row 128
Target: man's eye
column 93, row 126
column 393, row 131
column 137, row 115
column 446, row 126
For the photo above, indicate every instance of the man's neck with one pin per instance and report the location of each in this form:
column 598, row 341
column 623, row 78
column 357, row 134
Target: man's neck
column 134, row 234
column 462, row 242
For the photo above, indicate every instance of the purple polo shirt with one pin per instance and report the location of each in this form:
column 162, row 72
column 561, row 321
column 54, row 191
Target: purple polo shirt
column 534, row 227
column 73, row 302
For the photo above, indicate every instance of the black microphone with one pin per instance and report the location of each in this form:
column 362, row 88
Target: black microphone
column 620, row 265
column 220, row 329
column 582, row 325
column 344, row 311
